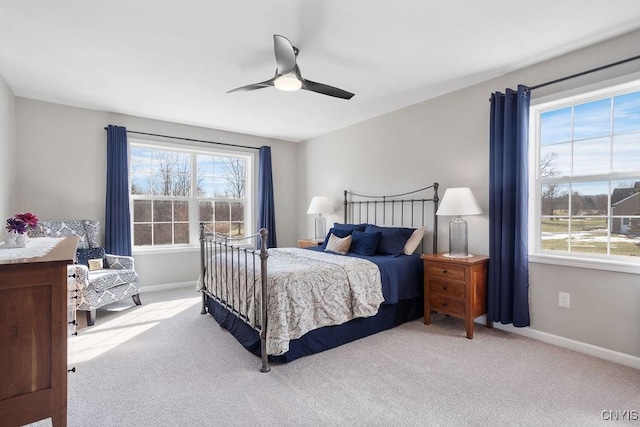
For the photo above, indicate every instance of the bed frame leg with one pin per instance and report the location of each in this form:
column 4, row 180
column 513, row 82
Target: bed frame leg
column 204, row 303
column 263, row 352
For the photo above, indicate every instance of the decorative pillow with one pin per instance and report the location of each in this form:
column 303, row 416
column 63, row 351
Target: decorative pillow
column 415, row 239
column 338, row 233
column 95, row 264
column 84, row 255
column 339, row 245
column 392, row 240
column 364, row 243
column 351, row 227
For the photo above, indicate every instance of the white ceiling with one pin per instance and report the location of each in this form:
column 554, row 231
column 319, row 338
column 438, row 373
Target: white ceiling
column 174, row 60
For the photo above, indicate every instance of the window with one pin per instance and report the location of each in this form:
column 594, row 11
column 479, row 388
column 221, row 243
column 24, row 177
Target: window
column 586, row 177
column 174, row 189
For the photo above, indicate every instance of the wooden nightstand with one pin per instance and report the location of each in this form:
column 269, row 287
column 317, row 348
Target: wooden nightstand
column 457, row 287
column 307, row 243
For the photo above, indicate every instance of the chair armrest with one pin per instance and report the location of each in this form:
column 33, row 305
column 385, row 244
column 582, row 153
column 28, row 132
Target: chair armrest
column 119, row 262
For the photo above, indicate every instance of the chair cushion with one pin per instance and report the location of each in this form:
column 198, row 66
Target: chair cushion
column 86, row 230
column 100, row 280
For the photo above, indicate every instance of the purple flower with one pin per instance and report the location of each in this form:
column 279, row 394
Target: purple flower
column 17, row 225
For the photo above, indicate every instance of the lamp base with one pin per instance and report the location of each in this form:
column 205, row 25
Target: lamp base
column 457, row 256
column 321, row 227
column 458, row 238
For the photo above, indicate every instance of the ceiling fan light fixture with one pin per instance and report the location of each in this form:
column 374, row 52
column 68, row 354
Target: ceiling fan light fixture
column 288, row 82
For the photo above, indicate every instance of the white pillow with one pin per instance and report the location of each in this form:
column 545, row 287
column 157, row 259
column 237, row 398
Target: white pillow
column 415, row 239
column 338, row 245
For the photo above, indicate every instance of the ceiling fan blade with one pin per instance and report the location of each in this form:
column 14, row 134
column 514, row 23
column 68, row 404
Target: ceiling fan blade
column 254, row 86
column 326, row 89
column 285, row 54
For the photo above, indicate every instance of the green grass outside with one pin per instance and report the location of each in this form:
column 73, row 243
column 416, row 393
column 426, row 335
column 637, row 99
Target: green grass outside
column 597, row 227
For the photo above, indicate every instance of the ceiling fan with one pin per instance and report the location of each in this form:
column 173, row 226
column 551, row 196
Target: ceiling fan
column 288, row 76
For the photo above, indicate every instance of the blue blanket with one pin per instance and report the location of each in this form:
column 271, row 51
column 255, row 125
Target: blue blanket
column 402, row 276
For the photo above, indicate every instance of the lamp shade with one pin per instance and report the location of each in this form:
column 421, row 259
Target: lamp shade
column 320, row 205
column 458, row 201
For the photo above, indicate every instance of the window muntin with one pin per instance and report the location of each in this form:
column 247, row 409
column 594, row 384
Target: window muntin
column 588, row 161
column 172, row 190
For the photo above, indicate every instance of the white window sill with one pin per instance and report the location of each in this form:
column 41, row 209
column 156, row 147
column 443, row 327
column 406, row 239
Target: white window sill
column 632, row 267
column 165, row 250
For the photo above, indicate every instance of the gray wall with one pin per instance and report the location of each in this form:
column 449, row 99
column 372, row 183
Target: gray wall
column 63, row 173
column 8, row 154
column 446, row 140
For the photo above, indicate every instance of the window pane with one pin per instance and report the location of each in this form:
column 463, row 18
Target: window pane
column 555, row 200
column 180, row 211
column 623, row 243
column 206, row 211
column 589, row 198
column 142, row 211
column 626, row 113
column 555, row 234
column 161, row 185
column 141, row 159
column 626, row 152
column 141, row 234
column 556, row 160
column 234, row 177
column 141, row 184
column 589, row 235
column 592, row 119
column 237, row 229
column 555, row 126
column 237, row 211
column 221, row 188
column 205, row 165
column 625, row 198
column 222, row 211
column 181, row 185
column 591, row 156
column 162, row 210
column 162, row 234
column 222, row 228
column 181, row 233
column 205, row 187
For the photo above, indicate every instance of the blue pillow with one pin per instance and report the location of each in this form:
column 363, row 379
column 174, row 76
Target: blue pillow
column 365, row 243
column 352, row 227
column 84, row 255
column 392, row 240
column 337, row 233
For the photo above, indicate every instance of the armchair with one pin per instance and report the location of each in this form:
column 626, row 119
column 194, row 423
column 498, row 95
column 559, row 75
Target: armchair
column 106, row 279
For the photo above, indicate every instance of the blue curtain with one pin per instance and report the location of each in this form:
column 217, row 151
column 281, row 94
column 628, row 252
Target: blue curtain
column 266, row 203
column 508, row 286
column 117, row 228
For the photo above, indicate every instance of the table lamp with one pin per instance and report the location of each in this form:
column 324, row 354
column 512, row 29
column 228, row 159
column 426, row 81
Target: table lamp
column 457, row 202
column 320, row 205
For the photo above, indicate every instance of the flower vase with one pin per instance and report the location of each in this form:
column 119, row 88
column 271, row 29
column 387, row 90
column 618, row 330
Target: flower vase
column 10, row 239
column 21, row 240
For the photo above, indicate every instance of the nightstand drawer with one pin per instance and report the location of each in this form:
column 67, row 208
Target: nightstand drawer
column 455, row 290
column 447, row 271
column 445, row 304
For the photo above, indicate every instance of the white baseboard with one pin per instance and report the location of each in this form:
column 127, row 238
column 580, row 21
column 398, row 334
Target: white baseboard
column 155, row 288
column 581, row 347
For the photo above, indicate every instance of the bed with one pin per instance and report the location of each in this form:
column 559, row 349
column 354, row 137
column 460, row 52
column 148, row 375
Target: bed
column 285, row 303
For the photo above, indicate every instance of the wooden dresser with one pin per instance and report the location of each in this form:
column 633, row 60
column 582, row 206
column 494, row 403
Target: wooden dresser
column 456, row 287
column 33, row 337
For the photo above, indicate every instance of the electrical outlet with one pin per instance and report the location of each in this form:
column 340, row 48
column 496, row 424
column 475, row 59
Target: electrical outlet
column 564, row 299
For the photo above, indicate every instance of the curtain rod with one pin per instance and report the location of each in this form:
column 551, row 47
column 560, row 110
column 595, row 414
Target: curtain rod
column 192, row 140
column 613, row 64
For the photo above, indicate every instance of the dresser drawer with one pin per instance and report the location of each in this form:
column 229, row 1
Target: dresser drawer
column 450, row 289
column 445, row 304
column 448, row 271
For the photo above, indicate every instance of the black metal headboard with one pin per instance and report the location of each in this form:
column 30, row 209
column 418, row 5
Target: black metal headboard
column 402, row 212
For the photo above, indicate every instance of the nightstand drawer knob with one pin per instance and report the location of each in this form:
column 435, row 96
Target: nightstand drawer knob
column 444, row 288
column 445, row 271
column 444, row 304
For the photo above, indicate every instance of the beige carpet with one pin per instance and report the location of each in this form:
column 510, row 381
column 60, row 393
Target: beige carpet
column 164, row 364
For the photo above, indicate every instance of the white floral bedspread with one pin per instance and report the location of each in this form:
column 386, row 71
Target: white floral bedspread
column 308, row 290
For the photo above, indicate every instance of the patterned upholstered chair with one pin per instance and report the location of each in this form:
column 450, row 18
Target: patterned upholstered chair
column 101, row 278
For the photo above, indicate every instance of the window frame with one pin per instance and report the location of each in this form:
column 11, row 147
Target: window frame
column 193, row 149
column 605, row 89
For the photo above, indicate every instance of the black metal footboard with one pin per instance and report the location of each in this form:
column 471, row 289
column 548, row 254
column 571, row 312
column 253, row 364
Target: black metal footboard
column 235, row 276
